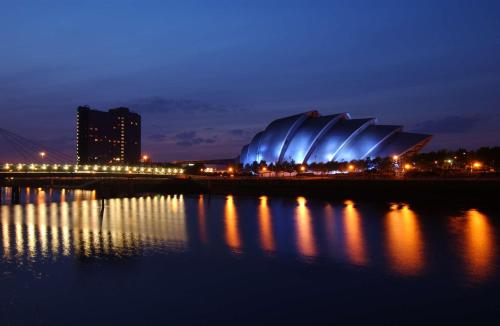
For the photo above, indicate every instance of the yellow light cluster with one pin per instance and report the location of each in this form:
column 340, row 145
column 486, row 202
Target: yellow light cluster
column 67, row 168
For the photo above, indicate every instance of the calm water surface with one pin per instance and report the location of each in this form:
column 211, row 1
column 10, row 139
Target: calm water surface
column 178, row 259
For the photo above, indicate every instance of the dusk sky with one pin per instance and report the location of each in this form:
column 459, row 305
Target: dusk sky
column 207, row 75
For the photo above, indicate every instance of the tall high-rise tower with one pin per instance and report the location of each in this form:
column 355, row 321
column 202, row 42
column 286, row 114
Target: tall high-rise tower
column 108, row 137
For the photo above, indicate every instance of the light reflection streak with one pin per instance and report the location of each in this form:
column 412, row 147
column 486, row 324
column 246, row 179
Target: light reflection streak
column 478, row 244
column 54, row 229
column 49, row 231
column 303, row 223
column 30, row 225
column 42, row 228
column 231, row 222
column 355, row 242
column 65, row 227
column 18, row 221
column 405, row 247
column 202, row 223
column 41, row 231
column 5, row 232
column 265, row 225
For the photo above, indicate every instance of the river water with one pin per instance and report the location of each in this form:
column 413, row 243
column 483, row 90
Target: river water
column 67, row 258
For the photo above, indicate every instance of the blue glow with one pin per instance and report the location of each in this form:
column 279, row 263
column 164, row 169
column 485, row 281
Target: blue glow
column 320, row 139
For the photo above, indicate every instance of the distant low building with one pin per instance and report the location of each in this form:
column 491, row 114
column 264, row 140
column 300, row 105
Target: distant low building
column 212, row 166
column 108, row 137
column 308, row 138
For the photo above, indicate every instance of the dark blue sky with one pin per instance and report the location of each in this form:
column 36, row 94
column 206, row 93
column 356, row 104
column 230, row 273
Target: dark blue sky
column 206, row 75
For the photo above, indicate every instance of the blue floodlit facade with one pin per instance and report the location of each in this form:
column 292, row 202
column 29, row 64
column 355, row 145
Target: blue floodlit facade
column 311, row 138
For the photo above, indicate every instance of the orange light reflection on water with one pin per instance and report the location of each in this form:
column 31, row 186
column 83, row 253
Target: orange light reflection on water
column 231, row 220
column 265, row 225
column 478, row 244
column 40, row 231
column 355, row 242
column 303, row 222
column 405, row 247
column 202, row 220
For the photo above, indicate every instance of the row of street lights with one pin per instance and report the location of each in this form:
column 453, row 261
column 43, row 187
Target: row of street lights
column 67, row 168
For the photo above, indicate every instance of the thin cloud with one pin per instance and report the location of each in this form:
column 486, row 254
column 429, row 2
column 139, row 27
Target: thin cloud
column 158, row 104
column 157, row 138
column 191, row 138
column 450, row 124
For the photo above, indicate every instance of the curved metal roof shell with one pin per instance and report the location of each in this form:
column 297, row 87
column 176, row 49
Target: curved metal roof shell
column 311, row 138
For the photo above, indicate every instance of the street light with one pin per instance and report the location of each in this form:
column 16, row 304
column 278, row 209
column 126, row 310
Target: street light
column 476, row 165
column 302, row 168
column 42, row 155
column 145, row 158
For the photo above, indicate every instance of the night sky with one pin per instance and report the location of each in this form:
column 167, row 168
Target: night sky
column 206, row 75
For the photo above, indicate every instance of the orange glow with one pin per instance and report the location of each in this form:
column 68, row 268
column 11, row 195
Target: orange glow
column 264, row 169
column 405, row 247
column 265, row 225
column 60, row 229
column 202, row 220
column 478, row 244
column 302, row 168
column 305, row 236
column 395, row 157
column 40, row 197
column 477, row 165
column 145, row 158
column 42, row 154
column 5, row 218
column 231, row 219
column 355, row 243
column 408, row 166
column 351, row 167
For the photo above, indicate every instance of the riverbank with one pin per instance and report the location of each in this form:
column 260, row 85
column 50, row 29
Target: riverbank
column 484, row 190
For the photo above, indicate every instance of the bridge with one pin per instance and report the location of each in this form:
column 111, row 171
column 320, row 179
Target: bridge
column 24, row 169
column 27, row 163
column 36, row 159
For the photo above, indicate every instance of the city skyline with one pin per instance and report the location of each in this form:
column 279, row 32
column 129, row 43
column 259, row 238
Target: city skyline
column 205, row 80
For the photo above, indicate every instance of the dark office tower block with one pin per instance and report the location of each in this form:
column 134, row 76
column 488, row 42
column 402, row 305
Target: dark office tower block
column 112, row 137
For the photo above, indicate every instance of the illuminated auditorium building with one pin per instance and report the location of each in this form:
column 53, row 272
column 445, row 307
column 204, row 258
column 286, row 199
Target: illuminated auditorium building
column 311, row 138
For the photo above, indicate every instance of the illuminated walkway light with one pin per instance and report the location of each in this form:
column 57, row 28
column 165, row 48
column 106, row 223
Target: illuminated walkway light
column 67, row 168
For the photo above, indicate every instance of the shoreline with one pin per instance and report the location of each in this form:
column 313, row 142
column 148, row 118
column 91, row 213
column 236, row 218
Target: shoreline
column 436, row 190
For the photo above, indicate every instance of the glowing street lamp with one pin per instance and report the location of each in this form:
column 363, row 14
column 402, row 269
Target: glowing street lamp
column 351, row 167
column 302, row 168
column 145, row 158
column 42, row 155
column 395, row 158
column 230, row 169
column 476, row 165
